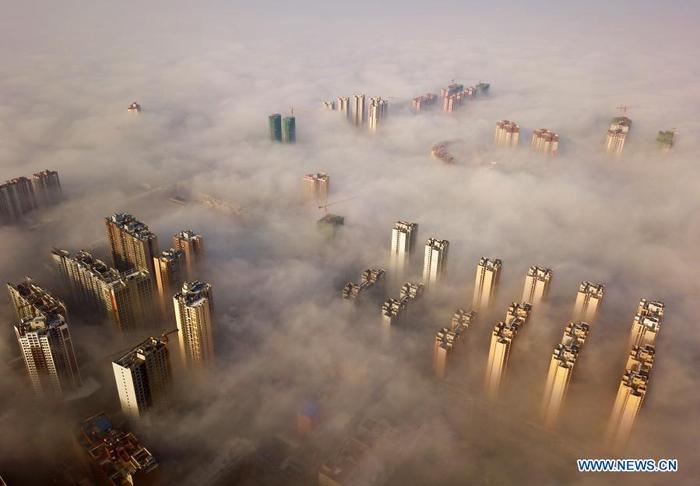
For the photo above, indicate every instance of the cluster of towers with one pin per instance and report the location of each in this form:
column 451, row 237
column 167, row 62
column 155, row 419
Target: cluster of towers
column 22, row 195
column 362, row 113
column 633, row 385
column 370, row 278
column 507, row 134
column 536, row 287
column 282, row 130
column 133, row 295
column 451, row 97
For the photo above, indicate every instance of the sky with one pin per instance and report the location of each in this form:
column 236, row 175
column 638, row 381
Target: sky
column 207, row 76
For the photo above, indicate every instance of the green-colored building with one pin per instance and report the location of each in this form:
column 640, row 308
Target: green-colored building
column 665, row 139
column 329, row 224
column 289, row 130
column 275, row 122
column 482, row 88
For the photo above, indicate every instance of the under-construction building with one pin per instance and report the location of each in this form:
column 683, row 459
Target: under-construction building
column 617, row 134
column 370, row 278
column 537, row 281
column 507, row 134
column 488, row 273
column 588, row 300
column 561, row 368
column 446, row 339
column 545, row 141
column 666, row 139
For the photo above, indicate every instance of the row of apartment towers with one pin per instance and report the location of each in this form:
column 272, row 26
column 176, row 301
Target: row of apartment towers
column 22, row 195
column 641, row 345
column 143, row 289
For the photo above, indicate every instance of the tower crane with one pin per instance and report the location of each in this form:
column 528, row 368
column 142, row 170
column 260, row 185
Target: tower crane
column 163, row 337
column 325, row 206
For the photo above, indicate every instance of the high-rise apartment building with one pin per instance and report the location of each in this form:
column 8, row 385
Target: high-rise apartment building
column 275, row 124
column 435, row 262
column 392, row 309
column 133, row 244
column 424, row 101
column 143, row 376
column 617, row 133
column 171, row 272
column 16, row 199
column 377, row 110
column 30, row 300
column 537, row 281
column 192, row 245
column 488, row 272
column 47, row 349
column 127, row 299
column 115, row 457
column 343, row 105
column 561, row 368
column 646, row 323
column 370, row 278
column 194, row 309
column 447, row 340
column 329, row 105
column 545, row 141
column 47, row 187
column 666, row 139
column 507, row 134
column 588, row 300
column 403, row 242
column 316, row 187
column 289, row 129
column 358, row 109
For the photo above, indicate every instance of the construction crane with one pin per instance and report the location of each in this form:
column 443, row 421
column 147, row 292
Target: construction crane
column 623, row 108
column 163, row 337
column 325, row 206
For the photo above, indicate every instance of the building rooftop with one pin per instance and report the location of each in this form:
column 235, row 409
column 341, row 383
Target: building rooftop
column 38, row 298
column 592, row 289
column 40, row 325
column 132, row 226
column 137, row 354
column 187, row 235
column 193, row 293
column 490, row 263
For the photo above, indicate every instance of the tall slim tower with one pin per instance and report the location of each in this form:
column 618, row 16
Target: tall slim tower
column 30, row 300
column 447, row 340
column 646, row 323
column 171, row 272
column 403, row 242
column 488, row 272
column 358, row 109
column 47, row 187
column 316, row 187
column 561, row 368
column 343, row 105
column 545, row 141
column 588, row 300
column 275, row 124
column 435, row 262
column 289, row 129
column 47, row 349
column 536, row 286
column 377, row 111
column 617, row 134
column 143, row 376
column 133, row 244
column 192, row 245
column 193, row 312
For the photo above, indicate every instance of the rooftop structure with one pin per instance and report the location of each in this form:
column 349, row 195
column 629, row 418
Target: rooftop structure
column 316, row 187
column 561, row 368
column 507, row 134
column 134, row 108
column 369, row 278
column 392, row 309
column 132, row 242
column 435, row 261
column 194, row 309
column 545, row 141
column 518, row 310
column 488, row 272
column 143, row 376
column 617, row 134
column 30, row 300
column 117, row 458
column 537, row 281
column 47, row 349
column 588, row 300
